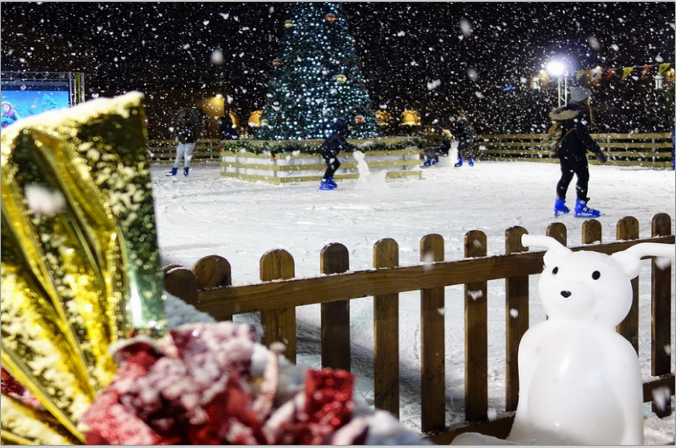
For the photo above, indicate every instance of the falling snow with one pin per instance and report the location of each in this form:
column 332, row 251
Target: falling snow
column 429, row 57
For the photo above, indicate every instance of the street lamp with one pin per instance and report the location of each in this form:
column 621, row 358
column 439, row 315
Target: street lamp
column 557, row 69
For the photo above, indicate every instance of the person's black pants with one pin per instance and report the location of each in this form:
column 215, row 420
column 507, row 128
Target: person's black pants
column 573, row 164
column 464, row 149
column 332, row 164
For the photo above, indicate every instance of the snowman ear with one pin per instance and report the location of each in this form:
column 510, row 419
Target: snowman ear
column 554, row 248
column 630, row 259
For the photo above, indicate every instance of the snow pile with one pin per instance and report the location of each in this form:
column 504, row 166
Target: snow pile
column 178, row 313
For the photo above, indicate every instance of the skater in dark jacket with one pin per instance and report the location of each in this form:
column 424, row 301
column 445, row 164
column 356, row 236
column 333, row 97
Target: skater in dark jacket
column 572, row 153
column 432, row 153
column 464, row 134
column 226, row 129
column 332, row 146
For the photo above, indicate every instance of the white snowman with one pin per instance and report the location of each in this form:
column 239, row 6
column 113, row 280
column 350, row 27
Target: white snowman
column 367, row 179
column 579, row 380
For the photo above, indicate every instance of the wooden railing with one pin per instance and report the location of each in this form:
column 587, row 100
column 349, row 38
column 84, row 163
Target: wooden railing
column 208, row 287
column 208, row 150
column 164, row 151
column 649, row 150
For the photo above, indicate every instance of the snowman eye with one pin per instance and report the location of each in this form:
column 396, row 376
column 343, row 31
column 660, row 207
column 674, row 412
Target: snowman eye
column 596, row 275
column 555, row 270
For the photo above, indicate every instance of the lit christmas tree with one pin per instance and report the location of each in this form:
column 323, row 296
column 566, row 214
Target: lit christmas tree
column 316, row 79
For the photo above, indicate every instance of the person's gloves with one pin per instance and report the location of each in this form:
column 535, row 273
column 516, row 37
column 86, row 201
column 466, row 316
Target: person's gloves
column 601, row 157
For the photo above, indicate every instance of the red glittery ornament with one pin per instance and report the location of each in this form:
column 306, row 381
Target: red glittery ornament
column 196, row 386
column 10, row 386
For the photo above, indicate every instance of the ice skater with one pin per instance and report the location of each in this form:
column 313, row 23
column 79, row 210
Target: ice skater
column 226, row 129
column 332, row 146
column 464, row 133
column 186, row 134
column 432, row 153
column 573, row 120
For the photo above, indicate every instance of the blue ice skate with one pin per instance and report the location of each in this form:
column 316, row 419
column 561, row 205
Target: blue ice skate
column 172, row 172
column 331, row 182
column 325, row 185
column 582, row 211
column 470, row 161
column 459, row 164
column 186, row 172
column 560, row 207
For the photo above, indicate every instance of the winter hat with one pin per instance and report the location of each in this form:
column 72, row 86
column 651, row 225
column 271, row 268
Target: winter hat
column 579, row 94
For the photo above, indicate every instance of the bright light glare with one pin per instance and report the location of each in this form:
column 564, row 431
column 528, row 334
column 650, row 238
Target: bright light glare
column 219, row 96
column 555, row 68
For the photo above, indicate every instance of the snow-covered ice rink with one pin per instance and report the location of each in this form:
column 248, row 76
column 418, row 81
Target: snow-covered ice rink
column 206, row 215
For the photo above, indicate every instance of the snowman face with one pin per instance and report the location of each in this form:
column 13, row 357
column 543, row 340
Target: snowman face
column 585, row 286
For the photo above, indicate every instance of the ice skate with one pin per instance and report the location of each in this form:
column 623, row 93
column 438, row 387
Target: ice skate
column 560, row 207
column 172, row 172
column 186, row 172
column 459, row 164
column 582, row 211
column 325, row 185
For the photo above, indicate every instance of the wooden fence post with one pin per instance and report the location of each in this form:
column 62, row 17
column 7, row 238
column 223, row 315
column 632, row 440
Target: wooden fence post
column 591, row 232
column 335, row 316
column 627, row 229
column 213, row 271
column 516, row 307
column 433, row 347
column 171, row 266
column 559, row 232
column 661, row 313
column 181, row 282
column 386, row 333
column 279, row 324
column 476, row 335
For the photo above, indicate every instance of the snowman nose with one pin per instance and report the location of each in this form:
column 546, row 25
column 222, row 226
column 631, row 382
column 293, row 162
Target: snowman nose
column 566, row 294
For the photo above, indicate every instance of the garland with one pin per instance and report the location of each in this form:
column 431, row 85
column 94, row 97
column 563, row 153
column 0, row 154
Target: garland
column 287, row 147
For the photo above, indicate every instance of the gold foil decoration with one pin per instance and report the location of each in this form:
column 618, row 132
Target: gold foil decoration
column 80, row 264
column 24, row 425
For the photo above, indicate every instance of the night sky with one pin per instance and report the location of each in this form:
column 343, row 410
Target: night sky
column 404, row 47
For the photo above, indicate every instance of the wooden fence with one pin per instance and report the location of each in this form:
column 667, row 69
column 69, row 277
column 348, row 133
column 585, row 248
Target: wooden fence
column 164, row 151
column 649, row 150
column 208, row 287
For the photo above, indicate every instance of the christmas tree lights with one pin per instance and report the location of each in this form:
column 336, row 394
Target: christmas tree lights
column 317, row 79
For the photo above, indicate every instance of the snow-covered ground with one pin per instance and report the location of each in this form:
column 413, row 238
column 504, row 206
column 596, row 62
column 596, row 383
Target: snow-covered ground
column 206, row 214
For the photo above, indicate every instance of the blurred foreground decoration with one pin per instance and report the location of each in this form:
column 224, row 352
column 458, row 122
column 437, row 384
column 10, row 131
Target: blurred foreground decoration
column 80, row 263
